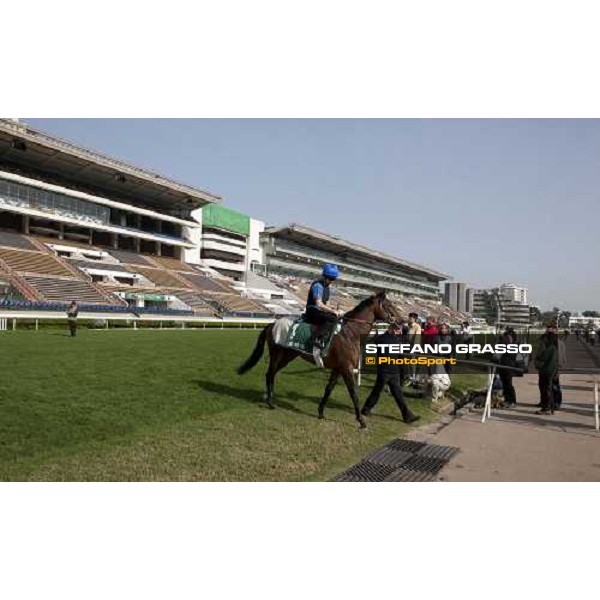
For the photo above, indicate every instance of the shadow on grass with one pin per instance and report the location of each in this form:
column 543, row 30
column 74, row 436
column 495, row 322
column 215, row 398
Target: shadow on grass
column 285, row 402
column 249, row 395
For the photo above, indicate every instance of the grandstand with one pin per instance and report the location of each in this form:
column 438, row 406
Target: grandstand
column 79, row 225
column 300, row 250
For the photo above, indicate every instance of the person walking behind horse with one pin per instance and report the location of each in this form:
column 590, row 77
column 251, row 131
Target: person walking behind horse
column 318, row 312
column 72, row 313
column 390, row 375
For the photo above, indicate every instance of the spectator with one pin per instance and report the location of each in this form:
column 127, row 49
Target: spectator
column 445, row 337
column 546, row 362
column 430, row 331
column 466, row 333
column 562, row 362
column 414, row 328
column 72, row 313
column 506, row 376
column 413, row 337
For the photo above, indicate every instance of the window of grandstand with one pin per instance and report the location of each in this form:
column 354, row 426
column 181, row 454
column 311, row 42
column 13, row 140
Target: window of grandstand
column 235, row 238
column 26, row 196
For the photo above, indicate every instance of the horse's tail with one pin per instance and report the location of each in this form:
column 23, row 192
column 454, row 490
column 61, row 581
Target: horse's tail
column 256, row 353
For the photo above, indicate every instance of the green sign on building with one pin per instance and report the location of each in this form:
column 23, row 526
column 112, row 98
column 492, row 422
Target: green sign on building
column 220, row 217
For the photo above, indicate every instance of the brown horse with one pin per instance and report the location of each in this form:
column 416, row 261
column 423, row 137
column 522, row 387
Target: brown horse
column 342, row 358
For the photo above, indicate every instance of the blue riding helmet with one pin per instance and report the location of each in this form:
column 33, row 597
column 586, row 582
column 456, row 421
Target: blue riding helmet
column 331, row 271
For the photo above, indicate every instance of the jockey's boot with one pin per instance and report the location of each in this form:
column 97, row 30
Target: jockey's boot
column 317, row 355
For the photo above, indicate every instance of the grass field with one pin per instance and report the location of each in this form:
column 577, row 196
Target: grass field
column 168, row 405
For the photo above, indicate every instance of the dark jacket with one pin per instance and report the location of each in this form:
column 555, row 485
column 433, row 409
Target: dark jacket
column 388, row 338
column 546, row 357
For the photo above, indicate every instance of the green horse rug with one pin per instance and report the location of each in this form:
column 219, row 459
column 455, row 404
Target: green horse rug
column 298, row 335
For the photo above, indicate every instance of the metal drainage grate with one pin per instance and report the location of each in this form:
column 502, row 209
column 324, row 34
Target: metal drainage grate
column 406, row 446
column 404, row 475
column 366, row 471
column 441, row 452
column 387, row 456
column 425, row 464
column 401, row 460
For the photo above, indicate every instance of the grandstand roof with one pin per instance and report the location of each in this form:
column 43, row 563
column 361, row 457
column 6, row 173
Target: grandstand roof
column 21, row 144
column 337, row 245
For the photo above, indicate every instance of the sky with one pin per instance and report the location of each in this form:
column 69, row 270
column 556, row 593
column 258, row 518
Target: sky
column 487, row 201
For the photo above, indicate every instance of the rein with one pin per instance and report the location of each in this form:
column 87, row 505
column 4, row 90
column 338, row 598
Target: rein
column 358, row 321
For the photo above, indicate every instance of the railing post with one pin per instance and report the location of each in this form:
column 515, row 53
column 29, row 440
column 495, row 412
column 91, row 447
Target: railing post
column 14, row 324
column 596, row 410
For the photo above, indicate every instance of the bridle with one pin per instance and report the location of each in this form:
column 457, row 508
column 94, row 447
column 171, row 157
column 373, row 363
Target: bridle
column 389, row 317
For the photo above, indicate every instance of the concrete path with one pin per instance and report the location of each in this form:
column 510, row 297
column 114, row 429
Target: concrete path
column 518, row 445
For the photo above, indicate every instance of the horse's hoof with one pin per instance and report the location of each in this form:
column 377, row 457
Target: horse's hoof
column 321, row 416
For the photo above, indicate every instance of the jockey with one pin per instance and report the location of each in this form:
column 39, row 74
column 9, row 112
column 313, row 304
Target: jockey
column 318, row 312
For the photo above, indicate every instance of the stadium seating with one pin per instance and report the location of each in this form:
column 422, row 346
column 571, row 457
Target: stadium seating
column 92, row 264
column 56, row 280
column 237, row 304
column 131, row 258
column 197, row 303
column 52, row 288
column 24, row 261
column 207, row 284
column 15, row 240
column 172, row 264
column 161, row 277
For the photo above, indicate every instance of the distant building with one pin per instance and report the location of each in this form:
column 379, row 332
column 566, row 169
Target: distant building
column 581, row 321
column 470, row 299
column 457, row 297
column 514, row 293
column 493, row 306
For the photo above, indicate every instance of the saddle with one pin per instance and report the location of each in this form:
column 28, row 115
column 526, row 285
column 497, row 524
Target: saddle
column 299, row 335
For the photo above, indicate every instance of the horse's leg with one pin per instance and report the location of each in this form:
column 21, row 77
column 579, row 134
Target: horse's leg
column 333, row 379
column 279, row 358
column 351, row 385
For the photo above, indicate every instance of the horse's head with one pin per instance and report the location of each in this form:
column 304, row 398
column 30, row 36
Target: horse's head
column 383, row 308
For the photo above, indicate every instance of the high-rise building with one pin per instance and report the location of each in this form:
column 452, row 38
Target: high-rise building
column 456, row 296
column 514, row 293
column 492, row 305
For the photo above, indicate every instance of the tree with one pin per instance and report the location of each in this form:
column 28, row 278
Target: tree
column 590, row 313
column 563, row 320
